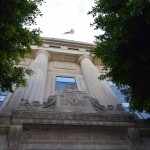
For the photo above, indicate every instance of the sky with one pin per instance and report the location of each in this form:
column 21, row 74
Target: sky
column 61, row 16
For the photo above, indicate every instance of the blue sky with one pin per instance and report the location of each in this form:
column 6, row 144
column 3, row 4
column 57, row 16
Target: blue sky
column 60, row 16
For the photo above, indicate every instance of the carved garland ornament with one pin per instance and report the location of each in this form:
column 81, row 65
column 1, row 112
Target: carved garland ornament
column 51, row 101
column 24, row 104
column 96, row 104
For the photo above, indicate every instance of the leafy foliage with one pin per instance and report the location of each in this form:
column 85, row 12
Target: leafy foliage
column 124, row 47
column 16, row 16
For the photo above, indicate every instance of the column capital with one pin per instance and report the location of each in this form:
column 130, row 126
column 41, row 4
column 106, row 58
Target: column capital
column 82, row 57
column 45, row 52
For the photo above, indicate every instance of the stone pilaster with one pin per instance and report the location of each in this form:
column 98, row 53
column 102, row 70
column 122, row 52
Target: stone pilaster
column 97, row 88
column 135, row 139
column 13, row 137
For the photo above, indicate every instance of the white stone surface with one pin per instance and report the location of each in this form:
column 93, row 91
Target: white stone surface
column 36, row 83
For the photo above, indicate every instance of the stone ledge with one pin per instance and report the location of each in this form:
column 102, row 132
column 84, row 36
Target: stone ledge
column 105, row 119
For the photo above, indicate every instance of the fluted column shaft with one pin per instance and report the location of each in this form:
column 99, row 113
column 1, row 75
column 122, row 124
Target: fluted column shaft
column 36, row 83
column 98, row 89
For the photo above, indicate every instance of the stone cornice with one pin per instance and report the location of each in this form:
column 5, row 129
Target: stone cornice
column 68, row 42
column 47, row 117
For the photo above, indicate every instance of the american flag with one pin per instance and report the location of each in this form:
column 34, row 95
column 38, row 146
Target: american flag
column 69, row 32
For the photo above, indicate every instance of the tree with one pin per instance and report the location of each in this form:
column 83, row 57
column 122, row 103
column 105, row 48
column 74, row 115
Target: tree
column 124, row 47
column 16, row 16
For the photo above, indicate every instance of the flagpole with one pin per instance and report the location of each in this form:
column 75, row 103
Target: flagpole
column 61, row 36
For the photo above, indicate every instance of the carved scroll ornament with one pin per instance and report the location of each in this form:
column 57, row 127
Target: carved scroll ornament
column 25, row 104
column 95, row 103
column 51, row 101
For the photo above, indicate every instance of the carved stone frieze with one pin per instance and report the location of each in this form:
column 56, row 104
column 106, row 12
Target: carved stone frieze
column 72, row 87
column 119, row 108
column 36, row 104
column 25, row 104
column 51, row 102
column 27, row 136
column 95, row 103
column 49, row 117
column 110, row 107
column 84, row 136
column 74, row 101
column 70, row 100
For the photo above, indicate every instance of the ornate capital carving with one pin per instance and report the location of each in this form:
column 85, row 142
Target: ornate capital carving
column 82, row 57
column 45, row 52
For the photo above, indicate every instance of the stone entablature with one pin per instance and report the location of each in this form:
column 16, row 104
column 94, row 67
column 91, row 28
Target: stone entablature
column 47, row 117
column 68, row 43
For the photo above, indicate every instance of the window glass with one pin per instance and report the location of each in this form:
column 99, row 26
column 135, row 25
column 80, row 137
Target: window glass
column 2, row 96
column 116, row 91
column 63, row 83
column 141, row 115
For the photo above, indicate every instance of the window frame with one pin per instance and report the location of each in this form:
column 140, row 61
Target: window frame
column 3, row 94
column 75, row 83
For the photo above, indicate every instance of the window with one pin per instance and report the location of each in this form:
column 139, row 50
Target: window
column 2, row 96
column 141, row 115
column 53, row 46
column 70, row 48
column 62, row 83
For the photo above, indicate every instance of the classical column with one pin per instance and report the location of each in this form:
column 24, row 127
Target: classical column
column 36, row 83
column 98, row 89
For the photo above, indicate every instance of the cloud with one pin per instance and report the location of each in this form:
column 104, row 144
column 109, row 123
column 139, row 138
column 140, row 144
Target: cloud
column 62, row 15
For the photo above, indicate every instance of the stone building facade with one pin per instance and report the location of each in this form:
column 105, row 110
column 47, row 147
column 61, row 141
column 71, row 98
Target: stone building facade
column 84, row 115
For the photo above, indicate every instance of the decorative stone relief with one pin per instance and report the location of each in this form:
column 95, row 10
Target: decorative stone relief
column 24, row 104
column 51, row 101
column 110, row 107
column 74, row 136
column 53, row 117
column 74, row 101
column 27, row 136
column 96, row 104
column 36, row 104
column 135, row 139
column 72, row 87
column 119, row 108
